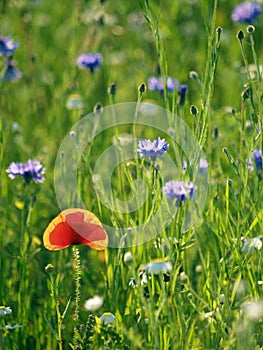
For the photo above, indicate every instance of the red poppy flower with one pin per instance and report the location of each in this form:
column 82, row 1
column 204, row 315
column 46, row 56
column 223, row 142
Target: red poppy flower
column 73, row 227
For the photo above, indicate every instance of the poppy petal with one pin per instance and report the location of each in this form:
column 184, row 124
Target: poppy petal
column 73, row 227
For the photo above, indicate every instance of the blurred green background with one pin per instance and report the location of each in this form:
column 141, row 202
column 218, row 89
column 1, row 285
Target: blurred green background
column 51, row 35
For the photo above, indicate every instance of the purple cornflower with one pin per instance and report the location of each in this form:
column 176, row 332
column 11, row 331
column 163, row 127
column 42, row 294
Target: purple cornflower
column 89, row 61
column 7, row 46
column 246, row 12
column 11, row 73
column 154, row 150
column 203, row 165
column 31, row 171
column 156, row 84
column 256, row 158
column 178, row 190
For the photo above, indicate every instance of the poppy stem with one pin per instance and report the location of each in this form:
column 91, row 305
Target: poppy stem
column 76, row 259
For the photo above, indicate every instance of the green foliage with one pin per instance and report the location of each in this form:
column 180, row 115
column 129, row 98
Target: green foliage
column 212, row 298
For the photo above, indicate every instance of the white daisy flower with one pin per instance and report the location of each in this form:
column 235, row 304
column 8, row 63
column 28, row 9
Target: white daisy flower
column 93, row 304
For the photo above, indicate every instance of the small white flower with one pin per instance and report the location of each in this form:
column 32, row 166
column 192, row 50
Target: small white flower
column 94, row 303
column 252, row 70
column 16, row 127
column 123, row 140
column 198, row 268
column 183, row 276
column 127, row 258
column 248, row 124
column 5, row 310
column 222, row 298
column 253, row 310
column 132, row 282
column 144, row 278
column 251, row 245
column 9, row 326
column 207, row 316
column 107, row 318
column 156, row 267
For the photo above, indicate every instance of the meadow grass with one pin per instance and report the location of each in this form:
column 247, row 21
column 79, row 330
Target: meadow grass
column 208, row 293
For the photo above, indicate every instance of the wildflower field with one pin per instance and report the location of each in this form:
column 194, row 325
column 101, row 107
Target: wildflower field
column 131, row 174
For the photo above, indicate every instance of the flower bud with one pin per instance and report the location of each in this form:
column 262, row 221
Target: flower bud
column 246, row 93
column 215, row 132
column 142, row 88
column 112, row 89
column 128, row 258
column 250, row 29
column 98, row 108
column 193, row 75
column 240, row 35
column 194, row 110
column 49, row 268
column 219, row 31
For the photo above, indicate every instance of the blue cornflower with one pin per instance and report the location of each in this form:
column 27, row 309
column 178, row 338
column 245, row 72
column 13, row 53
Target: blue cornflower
column 154, row 150
column 178, row 190
column 182, row 93
column 156, row 84
column 31, row 171
column 11, row 73
column 183, row 89
column 256, row 159
column 246, row 12
column 7, row 46
column 89, row 61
